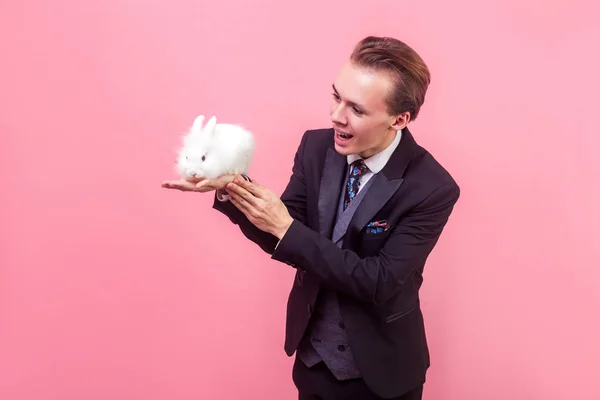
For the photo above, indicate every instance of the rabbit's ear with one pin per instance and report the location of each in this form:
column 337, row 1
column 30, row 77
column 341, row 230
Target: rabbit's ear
column 210, row 126
column 197, row 126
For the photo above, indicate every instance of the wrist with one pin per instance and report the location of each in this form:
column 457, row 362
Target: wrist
column 280, row 232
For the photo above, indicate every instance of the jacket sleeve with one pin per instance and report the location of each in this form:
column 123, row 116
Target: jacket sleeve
column 294, row 198
column 373, row 279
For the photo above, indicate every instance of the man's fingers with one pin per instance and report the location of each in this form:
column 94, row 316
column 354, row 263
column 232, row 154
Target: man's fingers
column 251, row 211
column 243, row 207
column 179, row 185
column 238, row 199
column 242, row 193
column 190, row 186
column 252, row 187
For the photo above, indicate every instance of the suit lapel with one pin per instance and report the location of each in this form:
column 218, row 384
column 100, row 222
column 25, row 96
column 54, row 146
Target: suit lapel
column 330, row 190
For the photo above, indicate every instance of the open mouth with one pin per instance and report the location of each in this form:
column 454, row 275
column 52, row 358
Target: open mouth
column 343, row 136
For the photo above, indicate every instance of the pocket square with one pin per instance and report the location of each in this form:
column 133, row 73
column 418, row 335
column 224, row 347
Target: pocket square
column 374, row 227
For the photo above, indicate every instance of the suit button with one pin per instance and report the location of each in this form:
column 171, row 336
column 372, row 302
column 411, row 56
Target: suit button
column 341, row 347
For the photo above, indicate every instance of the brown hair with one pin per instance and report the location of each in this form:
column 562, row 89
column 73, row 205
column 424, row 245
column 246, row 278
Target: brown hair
column 410, row 72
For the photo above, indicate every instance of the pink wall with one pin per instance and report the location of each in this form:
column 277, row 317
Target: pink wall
column 113, row 288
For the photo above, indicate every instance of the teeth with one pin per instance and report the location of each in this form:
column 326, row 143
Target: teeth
column 343, row 136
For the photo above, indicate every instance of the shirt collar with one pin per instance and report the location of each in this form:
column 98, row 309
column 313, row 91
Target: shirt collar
column 377, row 161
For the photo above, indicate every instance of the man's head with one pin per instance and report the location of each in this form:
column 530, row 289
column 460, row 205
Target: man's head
column 377, row 92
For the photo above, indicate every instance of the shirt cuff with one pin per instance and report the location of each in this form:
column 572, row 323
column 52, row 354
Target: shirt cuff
column 222, row 195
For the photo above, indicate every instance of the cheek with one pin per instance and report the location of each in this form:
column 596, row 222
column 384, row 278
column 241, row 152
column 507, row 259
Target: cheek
column 360, row 126
column 364, row 129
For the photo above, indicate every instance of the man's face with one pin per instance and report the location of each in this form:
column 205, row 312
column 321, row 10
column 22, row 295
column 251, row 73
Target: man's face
column 359, row 113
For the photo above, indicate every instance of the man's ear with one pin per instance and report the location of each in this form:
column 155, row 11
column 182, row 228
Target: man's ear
column 401, row 120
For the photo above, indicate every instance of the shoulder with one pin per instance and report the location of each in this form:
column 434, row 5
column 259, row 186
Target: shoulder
column 426, row 175
column 314, row 145
column 318, row 138
column 429, row 166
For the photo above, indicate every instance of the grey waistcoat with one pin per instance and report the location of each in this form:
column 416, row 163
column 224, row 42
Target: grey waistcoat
column 325, row 338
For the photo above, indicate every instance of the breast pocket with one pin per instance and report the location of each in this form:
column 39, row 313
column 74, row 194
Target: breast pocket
column 371, row 244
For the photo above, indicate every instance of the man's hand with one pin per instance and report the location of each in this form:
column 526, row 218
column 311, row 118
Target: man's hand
column 199, row 185
column 261, row 206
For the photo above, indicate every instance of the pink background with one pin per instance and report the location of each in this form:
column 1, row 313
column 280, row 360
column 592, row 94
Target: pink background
column 113, row 288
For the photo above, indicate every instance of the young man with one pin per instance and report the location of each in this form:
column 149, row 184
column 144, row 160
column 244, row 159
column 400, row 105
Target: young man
column 364, row 207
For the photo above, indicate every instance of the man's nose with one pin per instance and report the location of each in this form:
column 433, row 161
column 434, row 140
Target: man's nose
column 337, row 116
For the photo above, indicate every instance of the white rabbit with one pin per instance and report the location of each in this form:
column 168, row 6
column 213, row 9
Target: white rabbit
column 215, row 150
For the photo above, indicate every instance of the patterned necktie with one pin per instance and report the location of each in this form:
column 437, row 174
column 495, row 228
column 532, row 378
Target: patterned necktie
column 357, row 169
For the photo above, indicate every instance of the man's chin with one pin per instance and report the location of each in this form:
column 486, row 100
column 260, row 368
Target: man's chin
column 343, row 150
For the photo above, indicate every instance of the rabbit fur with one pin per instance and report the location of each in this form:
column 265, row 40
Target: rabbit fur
column 214, row 150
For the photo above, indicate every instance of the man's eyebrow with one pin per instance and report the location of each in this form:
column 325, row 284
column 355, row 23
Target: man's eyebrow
column 349, row 102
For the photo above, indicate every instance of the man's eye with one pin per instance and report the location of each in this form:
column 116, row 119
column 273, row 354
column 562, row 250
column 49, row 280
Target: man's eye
column 356, row 110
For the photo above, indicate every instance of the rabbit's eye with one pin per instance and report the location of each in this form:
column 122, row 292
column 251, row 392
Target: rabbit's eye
column 203, row 158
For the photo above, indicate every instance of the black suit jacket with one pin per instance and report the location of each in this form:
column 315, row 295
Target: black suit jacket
column 377, row 276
